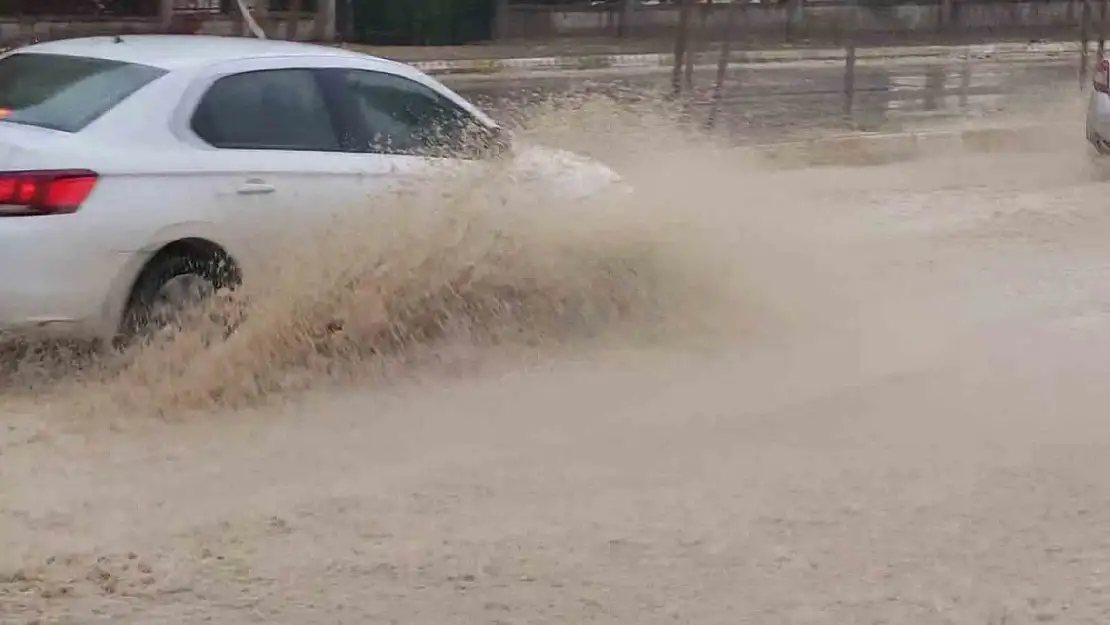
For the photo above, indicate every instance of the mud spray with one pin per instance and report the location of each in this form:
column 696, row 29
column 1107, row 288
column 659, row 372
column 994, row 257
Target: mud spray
column 715, row 245
column 776, row 395
column 469, row 268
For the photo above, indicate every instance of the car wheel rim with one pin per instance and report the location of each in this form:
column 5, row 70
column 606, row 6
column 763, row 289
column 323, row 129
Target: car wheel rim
column 178, row 297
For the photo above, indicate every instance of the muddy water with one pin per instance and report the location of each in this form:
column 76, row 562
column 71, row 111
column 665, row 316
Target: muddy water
column 772, row 102
column 890, row 409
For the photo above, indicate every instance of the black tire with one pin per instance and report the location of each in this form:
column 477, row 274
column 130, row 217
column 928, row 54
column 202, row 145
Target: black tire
column 139, row 322
column 1098, row 146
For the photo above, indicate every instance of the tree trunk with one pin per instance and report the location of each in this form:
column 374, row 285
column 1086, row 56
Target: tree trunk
column 627, row 8
column 165, row 15
column 699, row 37
column 794, row 12
column 261, row 16
column 501, row 20
column 293, row 19
column 236, row 16
column 245, row 16
column 324, row 26
column 947, row 13
column 722, row 64
column 1102, row 29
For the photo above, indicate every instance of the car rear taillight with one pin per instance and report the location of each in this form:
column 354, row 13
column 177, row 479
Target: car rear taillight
column 44, row 192
column 1101, row 80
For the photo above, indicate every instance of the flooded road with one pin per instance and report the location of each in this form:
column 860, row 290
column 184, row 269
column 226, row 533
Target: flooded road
column 822, row 396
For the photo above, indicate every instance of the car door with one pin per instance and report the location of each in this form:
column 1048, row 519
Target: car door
column 414, row 131
column 273, row 156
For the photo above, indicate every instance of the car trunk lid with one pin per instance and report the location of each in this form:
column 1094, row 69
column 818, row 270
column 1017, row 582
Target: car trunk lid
column 24, row 147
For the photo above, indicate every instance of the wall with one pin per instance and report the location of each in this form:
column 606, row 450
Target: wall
column 1033, row 18
column 818, row 21
column 12, row 30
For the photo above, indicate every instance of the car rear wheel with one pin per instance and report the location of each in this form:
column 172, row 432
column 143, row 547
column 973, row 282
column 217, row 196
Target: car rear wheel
column 169, row 294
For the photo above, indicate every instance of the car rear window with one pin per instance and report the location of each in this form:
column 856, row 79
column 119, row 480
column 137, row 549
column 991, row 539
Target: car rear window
column 66, row 92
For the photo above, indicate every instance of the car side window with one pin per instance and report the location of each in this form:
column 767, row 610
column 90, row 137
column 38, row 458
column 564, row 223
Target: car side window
column 402, row 116
column 282, row 109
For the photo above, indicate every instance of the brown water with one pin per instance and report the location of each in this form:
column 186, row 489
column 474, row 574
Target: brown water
column 829, row 395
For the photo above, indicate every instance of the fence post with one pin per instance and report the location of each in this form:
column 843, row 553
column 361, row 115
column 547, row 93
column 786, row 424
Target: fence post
column 850, row 69
column 627, row 7
column 947, row 10
column 1084, row 39
column 965, row 79
column 293, row 20
column 324, row 25
column 850, row 62
column 1101, row 29
column 849, row 78
column 722, row 65
column 681, row 41
column 795, row 10
column 501, row 20
column 935, row 78
column 694, row 43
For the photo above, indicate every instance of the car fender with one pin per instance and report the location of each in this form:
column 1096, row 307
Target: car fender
column 120, row 290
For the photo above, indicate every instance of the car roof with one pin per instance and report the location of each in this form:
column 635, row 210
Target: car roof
column 174, row 52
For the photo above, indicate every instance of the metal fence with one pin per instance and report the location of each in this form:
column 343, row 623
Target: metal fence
column 925, row 87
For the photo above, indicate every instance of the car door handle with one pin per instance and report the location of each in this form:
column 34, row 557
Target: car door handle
column 255, row 187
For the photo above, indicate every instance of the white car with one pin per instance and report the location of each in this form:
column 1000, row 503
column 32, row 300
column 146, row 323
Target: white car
column 134, row 168
column 1098, row 109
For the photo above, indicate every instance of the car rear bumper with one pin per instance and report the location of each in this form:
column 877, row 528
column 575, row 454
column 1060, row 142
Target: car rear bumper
column 53, row 283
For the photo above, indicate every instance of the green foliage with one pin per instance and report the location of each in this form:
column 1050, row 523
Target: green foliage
column 423, row 22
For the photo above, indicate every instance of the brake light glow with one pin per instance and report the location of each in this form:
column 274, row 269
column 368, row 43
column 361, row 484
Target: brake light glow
column 1101, row 80
column 44, row 192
